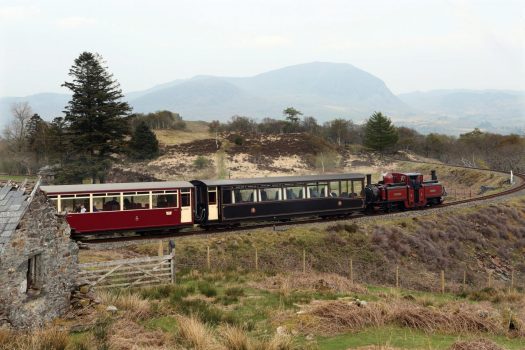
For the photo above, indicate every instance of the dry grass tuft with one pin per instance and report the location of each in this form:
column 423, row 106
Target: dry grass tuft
column 135, row 306
column 126, row 334
column 337, row 316
column 234, row 338
column 43, row 339
column 479, row 344
column 280, row 342
column 196, row 334
column 311, row 281
column 430, row 320
column 332, row 317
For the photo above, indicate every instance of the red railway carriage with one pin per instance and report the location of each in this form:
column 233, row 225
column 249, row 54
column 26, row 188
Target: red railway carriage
column 404, row 191
column 124, row 206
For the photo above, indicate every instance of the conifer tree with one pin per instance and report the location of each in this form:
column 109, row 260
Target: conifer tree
column 380, row 133
column 95, row 116
column 143, row 143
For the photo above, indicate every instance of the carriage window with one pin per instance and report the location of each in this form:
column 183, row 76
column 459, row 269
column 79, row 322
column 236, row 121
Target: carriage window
column 166, row 200
column 106, row 203
column 323, row 190
column 335, row 189
column 227, row 196
column 136, row 201
column 270, row 194
column 314, row 191
column 244, row 195
column 75, row 205
column 185, row 199
column 345, row 189
column 358, row 188
column 295, row 192
column 212, row 198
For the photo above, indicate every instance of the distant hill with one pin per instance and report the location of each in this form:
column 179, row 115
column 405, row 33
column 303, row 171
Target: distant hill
column 496, row 110
column 320, row 89
column 325, row 90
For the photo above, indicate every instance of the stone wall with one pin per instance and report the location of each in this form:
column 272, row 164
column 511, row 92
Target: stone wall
column 42, row 236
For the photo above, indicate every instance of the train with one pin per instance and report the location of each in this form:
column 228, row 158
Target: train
column 173, row 205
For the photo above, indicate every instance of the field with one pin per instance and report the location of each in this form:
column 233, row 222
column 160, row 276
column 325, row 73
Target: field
column 232, row 303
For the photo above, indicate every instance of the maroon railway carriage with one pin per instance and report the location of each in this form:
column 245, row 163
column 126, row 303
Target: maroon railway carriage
column 124, row 206
column 404, row 191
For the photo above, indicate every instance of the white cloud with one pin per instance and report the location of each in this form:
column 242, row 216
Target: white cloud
column 17, row 13
column 75, row 22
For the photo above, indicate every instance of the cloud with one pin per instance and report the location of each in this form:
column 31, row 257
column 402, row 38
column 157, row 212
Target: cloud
column 17, row 13
column 270, row 41
column 75, row 22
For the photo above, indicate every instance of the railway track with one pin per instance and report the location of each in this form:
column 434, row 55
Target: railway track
column 279, row 225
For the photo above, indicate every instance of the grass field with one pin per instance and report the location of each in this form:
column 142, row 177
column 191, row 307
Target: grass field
column 195, row 130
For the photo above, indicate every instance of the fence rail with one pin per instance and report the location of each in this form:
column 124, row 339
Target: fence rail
column 128, row 273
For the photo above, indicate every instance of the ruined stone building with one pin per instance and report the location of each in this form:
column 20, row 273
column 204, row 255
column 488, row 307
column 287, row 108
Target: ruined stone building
column 38, row 261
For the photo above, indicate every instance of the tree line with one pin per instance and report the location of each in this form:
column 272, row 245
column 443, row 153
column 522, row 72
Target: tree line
column 377, row 133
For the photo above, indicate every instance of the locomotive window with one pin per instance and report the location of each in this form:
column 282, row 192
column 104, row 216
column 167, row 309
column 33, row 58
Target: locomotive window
column 185, row 199
column 212, row 198
column 270, row 194
column 167, row 200
column 295, row 192
column 134, row 202
column 244, row 195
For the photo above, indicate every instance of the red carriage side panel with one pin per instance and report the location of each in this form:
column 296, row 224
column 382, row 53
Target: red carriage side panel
column 124, row 220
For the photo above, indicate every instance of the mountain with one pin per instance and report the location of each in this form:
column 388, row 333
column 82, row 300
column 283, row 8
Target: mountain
column 494, row 110
column 320, row 89
column 325, row 90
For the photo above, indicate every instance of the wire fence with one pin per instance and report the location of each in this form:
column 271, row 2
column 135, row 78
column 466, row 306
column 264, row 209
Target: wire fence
column 463, row 276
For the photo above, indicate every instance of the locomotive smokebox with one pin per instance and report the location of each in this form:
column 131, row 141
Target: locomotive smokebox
column 368, row 179
column 433, row 175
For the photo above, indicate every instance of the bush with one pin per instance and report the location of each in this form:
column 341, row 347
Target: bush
column 201, row 162
column 238, row 140
column 207, row 289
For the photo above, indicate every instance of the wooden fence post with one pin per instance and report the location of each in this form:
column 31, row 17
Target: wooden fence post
column 442, row 282
column 172, row 265
column 397, row 276
column 256, row 261
column 208, row 262
column 351, row 272
column 161, row 249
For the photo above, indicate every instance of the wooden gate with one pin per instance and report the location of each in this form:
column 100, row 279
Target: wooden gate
column 127, row 273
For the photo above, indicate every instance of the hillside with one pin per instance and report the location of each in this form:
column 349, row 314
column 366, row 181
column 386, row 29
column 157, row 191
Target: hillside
column 320, row 89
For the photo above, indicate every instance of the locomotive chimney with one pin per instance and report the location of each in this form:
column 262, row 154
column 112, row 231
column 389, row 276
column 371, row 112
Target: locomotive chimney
column 368, row 179
column 433, row 175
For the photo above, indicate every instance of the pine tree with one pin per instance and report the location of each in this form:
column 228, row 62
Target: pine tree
column 292, row 115
column 380, row 133
column 95, row 115
column 37, row 131
column 143, row 143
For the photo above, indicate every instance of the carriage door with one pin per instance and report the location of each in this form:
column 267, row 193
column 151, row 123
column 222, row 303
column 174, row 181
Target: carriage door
column 185, row 205
column 213, row 209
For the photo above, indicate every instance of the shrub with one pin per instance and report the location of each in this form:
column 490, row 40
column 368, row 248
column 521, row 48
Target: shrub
column 238, row 140
column 207, row 289
column 201, row 162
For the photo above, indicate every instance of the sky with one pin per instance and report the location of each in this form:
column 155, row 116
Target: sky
column 409, row 44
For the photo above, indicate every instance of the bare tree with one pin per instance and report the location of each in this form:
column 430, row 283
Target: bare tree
column 15, row 135
column 15, row 132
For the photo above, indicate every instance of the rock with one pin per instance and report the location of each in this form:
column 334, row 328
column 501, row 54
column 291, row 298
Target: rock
column 84, row 289
column 483, row 313
column 310, row 337
column 84, row 302
column 361, row 303
column 112, row 309
column 281, row 330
